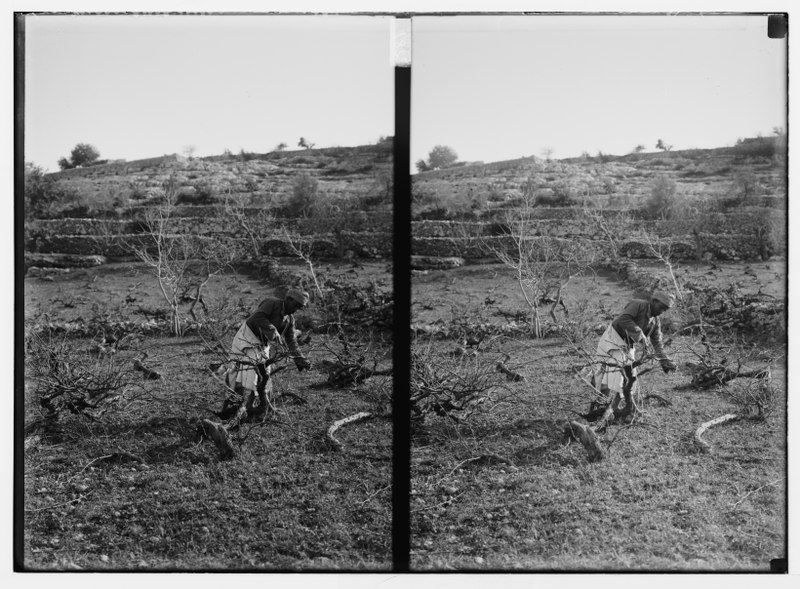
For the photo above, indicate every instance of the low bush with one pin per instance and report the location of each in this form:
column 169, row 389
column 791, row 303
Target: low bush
column 662, row 198
column 561, row 194
column 69, row 380
column 205, row 193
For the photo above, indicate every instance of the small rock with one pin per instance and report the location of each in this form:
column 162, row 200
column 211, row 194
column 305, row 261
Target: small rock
column 104, row 557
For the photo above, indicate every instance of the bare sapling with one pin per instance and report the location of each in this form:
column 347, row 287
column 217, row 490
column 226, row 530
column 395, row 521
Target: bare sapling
column 662, row 250
column 615, row 227
column 174, row 257
column 253, row 225
column 302, row 249
column 541, row 265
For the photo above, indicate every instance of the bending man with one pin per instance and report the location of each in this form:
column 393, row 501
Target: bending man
column 639, row 322
column 271, row 323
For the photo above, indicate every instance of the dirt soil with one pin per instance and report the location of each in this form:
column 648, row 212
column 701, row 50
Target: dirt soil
column 138, row 490
column 488, row 293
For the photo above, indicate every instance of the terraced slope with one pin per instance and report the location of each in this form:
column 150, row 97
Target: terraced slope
column 624, row 181
column 349, row 188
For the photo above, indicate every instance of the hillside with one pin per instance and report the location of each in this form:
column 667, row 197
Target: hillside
column 605, row 180
column 728, row 203
column 315, row 191
column 266, row 179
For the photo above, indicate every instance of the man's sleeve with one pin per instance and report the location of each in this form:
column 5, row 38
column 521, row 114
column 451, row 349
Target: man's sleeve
column 626, row 321
column 655, row 339
column 290, row 337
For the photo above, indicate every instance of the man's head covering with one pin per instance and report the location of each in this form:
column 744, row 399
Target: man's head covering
column 663, row 297
column 298, row 295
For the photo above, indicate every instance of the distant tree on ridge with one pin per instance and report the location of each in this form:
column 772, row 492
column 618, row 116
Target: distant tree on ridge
column 83, row 154
column 442, row 156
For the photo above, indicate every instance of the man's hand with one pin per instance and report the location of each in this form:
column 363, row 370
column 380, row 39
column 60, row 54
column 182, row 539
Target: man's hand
column 302, row 364
column 668, row 366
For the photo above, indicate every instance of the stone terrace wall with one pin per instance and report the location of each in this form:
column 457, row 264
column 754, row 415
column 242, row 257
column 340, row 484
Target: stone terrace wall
column 720, row 247
column 363, row 245
column 725, row 237
column 565, row 222
column 204, row 221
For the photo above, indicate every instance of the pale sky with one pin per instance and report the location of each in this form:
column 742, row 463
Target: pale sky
column 145, row 86
column 502, row 87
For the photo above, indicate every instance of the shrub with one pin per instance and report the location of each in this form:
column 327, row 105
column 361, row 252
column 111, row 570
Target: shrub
column 48, row 198
column 66, row 380
column 609, row 185
column 661, row 203
column 137, row 192
column 422, row 166
column 348, row 305
column 379, row 193
column 561, row 194
column 205, row 193
column 604, row 158
column 745, row 185
column 304, row 192
column 42, row 194
column 251, row 183
column 756, row 147
column 449, row 386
